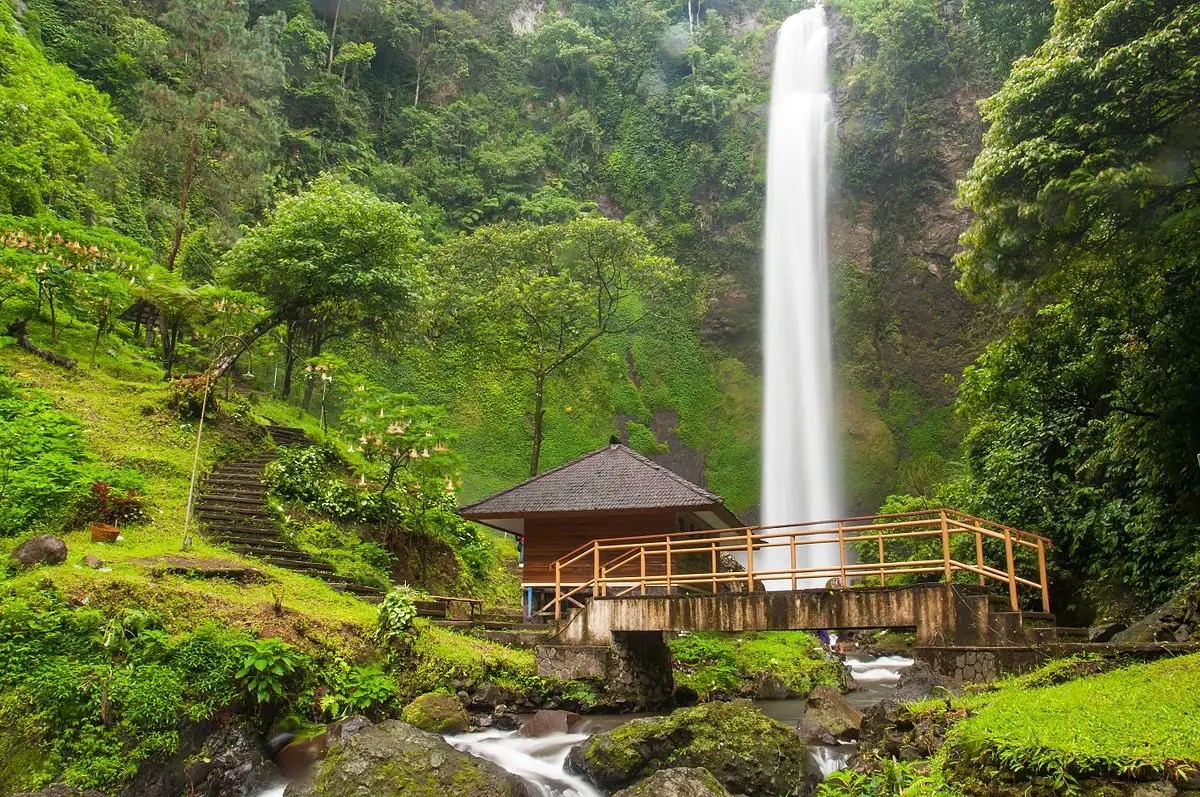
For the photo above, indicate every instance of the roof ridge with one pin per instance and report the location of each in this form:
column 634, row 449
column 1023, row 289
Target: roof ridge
column 702, row 492
column 533, row 479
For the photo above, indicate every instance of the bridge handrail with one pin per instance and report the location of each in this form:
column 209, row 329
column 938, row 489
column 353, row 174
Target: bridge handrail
column 944, row 523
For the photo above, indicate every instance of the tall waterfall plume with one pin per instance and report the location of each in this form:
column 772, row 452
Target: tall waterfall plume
column 800, row 458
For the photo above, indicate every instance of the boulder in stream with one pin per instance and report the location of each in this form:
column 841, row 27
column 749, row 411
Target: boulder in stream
column 394, row 759
column 828, row 717
column 680, row 782
column 748, row 752
column 548, row 721
column 437, row 712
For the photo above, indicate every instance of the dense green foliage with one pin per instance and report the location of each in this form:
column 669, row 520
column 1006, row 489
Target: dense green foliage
column 47, row 474
column 1082, row 418
column 718, row 665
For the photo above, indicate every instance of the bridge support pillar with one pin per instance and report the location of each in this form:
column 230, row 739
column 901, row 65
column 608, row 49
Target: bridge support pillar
column 639, row 669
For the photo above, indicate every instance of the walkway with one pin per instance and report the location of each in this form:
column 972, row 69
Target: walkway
column 233, row 509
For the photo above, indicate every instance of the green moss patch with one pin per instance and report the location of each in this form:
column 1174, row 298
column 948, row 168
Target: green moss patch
column 720, row 665
column 1139, row 722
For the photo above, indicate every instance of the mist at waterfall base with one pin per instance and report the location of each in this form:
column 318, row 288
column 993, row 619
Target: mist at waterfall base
column 799, row 454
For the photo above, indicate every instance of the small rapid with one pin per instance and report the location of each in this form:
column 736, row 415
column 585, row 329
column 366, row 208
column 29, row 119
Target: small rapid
column 538, row 761
column 541, row 761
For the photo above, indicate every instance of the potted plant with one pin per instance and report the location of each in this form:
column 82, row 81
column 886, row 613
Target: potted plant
column 110, row 510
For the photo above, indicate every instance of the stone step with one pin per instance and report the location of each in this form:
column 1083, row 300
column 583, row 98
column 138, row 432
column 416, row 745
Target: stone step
column 1071, row 633
column 356, row 589
column 310, row 567
column 1038, row 619
column 232, row 487
column 239, row 471
column 247, row 511
column 1044, row 635
column 226, row 498
column 251, row 527
column 264, row 542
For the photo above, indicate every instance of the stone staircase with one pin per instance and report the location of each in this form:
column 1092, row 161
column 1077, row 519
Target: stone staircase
column 505, row 628
column 233, row 509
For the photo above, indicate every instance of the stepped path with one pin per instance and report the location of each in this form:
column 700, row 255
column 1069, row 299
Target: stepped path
column 233, row 510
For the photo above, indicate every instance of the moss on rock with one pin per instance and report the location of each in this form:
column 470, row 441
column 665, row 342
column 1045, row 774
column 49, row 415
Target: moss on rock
column 394, row 759
column 437, row 712
column 748, row 752
column 681, row 782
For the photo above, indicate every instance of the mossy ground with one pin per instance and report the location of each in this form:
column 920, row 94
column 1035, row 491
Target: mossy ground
column 1063, row 729
column 720, row 665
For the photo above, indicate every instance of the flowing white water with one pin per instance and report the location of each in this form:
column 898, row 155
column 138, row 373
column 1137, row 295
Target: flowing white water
column 537, row 761
column 800, row 458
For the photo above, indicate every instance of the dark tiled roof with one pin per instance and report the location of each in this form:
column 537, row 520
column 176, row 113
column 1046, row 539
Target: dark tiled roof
column 615, row 477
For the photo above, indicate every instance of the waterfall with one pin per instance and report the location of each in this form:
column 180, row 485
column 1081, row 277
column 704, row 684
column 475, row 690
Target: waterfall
column 800, row 457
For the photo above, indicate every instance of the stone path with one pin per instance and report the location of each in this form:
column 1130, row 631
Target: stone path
column 233, row 509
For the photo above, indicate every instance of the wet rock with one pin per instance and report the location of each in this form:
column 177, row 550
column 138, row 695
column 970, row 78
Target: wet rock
column 212, row 761
column 437, row 712
column 505, row 719
column 394, row 759
column 491, row 695
column 546, row 721
column 919, row 681
column 748, row 752
column 681, row 782
column 828, row 715
column 58, row 790
column 1105, row 631
column 93, row 561
column 1174, row 621
column 229, row 764
column 769, row 686
column 45, row 549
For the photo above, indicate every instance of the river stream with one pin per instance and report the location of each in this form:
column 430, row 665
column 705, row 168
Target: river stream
column 540, row 761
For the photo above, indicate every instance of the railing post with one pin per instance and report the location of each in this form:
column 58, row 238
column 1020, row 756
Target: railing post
column 715, row 566
column 792, row 548
column 842, row 553
column 1042, row 570
column 749, row 560
column 946, row 546
column 642, row 573
column 668, row 565
column 597, row 585
column 979, row 555
column 882, row 576
column 558, row 590
column 1012, row 571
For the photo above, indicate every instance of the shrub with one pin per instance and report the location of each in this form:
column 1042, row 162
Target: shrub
column 396, row 616
column 363, row 690
column 268, row 665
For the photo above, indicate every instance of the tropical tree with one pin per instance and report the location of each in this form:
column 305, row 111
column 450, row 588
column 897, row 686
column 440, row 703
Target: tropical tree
column 209, row 127
column 397, row 432
column 331, row 260
column 1083, row 419
column 532, row 298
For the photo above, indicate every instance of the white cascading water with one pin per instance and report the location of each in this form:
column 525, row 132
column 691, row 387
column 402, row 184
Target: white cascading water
column 800, row 458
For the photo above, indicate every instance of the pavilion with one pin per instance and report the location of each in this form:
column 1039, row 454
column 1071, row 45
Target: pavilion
column 612, row 492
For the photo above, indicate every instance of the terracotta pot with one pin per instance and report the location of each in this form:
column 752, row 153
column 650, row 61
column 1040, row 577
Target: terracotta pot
column 102, row 532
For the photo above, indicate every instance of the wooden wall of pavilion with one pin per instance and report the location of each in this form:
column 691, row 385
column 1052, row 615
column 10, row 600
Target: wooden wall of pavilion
column 548, row 539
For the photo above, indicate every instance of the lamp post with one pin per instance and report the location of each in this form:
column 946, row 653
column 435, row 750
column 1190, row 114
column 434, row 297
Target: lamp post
column 217, row 350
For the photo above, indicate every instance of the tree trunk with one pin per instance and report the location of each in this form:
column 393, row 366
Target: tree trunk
column 189, row 167
column 17, row 330
column 289, row 362
column 337, row 11
column 53, row 318
column 539, row 414
column 223, row 363
column 310, row 382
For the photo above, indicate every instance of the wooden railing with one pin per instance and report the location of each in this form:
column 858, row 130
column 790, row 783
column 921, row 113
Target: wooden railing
column 691, row 562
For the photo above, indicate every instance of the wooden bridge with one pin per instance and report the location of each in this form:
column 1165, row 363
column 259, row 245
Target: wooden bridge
column 932, row 545
column 971, row 589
